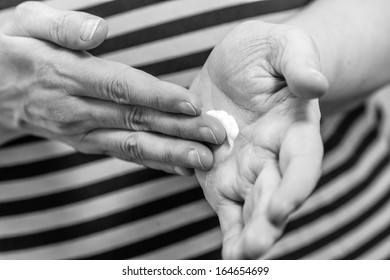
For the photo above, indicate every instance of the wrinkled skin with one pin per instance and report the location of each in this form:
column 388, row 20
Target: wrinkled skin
column 276, row 159
column 51, row 87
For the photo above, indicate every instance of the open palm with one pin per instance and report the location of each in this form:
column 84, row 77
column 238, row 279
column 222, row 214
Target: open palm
column 262, row 74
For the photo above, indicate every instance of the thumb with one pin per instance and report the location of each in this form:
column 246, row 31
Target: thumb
column 300, row 66
column 68, row 29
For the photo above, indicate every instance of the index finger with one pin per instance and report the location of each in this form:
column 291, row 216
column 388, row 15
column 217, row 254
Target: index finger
column 123, row 84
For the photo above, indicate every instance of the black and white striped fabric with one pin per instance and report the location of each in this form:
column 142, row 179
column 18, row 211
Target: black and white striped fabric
column 56, row 203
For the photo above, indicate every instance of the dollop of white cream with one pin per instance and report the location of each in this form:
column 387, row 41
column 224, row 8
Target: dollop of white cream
column 229, row 123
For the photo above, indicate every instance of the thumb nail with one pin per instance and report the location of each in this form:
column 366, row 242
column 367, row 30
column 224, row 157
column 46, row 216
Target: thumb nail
column 88, row 29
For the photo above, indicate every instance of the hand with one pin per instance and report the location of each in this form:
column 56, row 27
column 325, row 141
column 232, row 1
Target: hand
column 263, row 75
column 94, row 105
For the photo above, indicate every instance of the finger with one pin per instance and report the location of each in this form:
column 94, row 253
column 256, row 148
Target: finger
column 69, row 29
column 258, row 198
column 144, row 146
column 301, row 159
column 259, row 233
column 123, row 84
column 300, row 65
column 169, row 168
column 203, row 128
column 230, row 219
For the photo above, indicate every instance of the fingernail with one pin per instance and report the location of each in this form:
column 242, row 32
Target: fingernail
column 194, row 158
column 88, row 29
column 208, row 134
column 186, row 108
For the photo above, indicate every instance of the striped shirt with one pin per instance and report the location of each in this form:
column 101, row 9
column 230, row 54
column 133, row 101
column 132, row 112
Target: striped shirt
column 56, row 203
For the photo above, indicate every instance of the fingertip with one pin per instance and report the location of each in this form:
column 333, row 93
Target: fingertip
column 196, row 104
column 279, row 211
column 187, row 172
column 217, row 129
column 255, row 245
column 93, row 32
column 205, row 158
column 308, row 84
column 319, row 84
column 99, row 35
column 181, row 100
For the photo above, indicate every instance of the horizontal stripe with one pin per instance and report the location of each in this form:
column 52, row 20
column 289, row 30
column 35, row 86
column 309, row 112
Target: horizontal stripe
column 339, row 202
column 118, row 6
column 345, row 220
column 182, row 78
column 364, row 231
column 329, row 218
column 349, row 142
column 5, row 4
column 46, row 166
column 212, row 255
column 33, row 152
column 171, row 48
column 346, row 182
column 350, row 162
column 58, row 4
column 329, row 124
column 364, row 247
column 83, row 193
column 176, row 64
column 343, row 128
column 118, row 236
column 378, row 252
column 22, row 141
column 92, row 209
column 98, row 225
column 164, row 12
column 75, row 4
column 177, row 46
column 197, row 244
column 193, row 23
column 68, row 179
column 339, row 232
column 156, row 242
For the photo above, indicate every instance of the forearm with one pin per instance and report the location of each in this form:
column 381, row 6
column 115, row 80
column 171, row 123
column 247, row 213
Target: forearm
column 353, row 42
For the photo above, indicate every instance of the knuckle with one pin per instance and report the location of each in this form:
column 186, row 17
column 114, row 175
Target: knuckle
column 138, row 118
column 179, row 131
column 46, row 75
column 117, row 89
column 131, row 148
column 58, row 29
column 55, row 119
column 155, row 101
column 169, row 156
column 65, row 126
